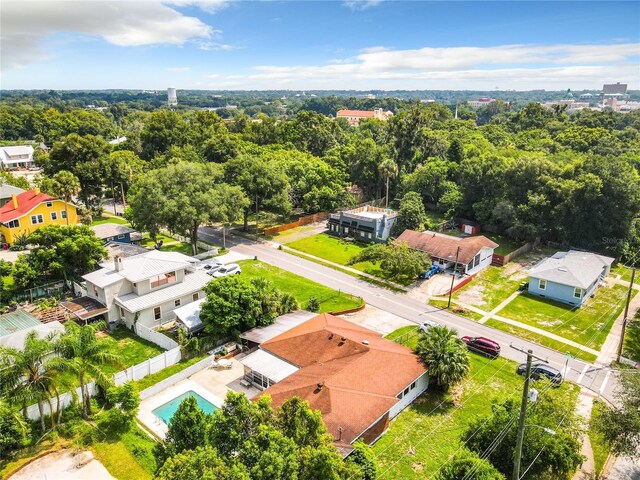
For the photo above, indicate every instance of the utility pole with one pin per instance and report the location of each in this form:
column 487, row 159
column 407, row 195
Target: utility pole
column 453, row 277
column 626, row 312
column 523, row 413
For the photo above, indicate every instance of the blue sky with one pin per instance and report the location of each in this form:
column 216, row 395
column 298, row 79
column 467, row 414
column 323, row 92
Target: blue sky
column 222, row 44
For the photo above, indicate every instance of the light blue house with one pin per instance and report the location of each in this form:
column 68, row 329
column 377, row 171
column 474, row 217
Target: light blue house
column 569, row 277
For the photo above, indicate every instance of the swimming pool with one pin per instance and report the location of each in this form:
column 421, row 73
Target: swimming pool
column 166, row 411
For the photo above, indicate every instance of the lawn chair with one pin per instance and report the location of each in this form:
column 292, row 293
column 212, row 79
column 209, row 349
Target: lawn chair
column 214, row 364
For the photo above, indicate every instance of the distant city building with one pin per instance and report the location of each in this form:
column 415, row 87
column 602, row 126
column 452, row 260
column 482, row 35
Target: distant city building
column 614, row 90
column 172, row 96
column 354, row 116
column 481, row 102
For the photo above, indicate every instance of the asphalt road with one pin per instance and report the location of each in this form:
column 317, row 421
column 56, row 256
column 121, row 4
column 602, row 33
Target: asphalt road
column 600, row 380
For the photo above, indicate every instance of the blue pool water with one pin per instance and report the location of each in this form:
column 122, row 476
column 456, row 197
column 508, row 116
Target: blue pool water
column 166, row 411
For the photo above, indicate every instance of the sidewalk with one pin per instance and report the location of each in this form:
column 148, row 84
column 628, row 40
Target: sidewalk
column 583, row 407
column 491, row 315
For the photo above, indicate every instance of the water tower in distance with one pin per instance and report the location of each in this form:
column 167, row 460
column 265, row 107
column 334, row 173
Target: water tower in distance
column 172, row 97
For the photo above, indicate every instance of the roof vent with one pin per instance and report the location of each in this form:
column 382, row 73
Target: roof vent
column 319, row 386
column 562, row 269
column 331, row 336
column 342, row 340
column 365, row 342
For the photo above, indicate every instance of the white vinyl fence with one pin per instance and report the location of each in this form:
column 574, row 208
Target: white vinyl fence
column 152, row 365
column 154, row 337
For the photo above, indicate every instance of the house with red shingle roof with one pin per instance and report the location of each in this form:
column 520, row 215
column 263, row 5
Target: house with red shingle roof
column 356, row 378
column 354, row 116
column 474, row 254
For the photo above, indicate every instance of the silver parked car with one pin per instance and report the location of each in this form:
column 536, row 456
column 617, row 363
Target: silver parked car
column 231, row 269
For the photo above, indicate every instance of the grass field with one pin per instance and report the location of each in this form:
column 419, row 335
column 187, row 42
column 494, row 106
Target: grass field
column 625, row 273
column 587, row 325
column 491, row 286
column 118, row 220
column 154, row 378
column 128, row 456
column 289, row 235
column 433, row 424
column 408, row 336
column 339, row 251
column 130, row 349
column 601, row 448
column 505, row 244
column 301, row 288
column 544, row 341
column 442, row 304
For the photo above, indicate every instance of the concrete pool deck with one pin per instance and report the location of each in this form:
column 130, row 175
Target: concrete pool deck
column 210, row 383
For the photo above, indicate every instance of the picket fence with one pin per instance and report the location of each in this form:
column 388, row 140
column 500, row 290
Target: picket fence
column 170, row 357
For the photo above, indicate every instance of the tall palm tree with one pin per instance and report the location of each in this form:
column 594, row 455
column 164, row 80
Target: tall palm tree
column 84, row 355
column 389, row 169
column 66, row 185
column 444, row 355
column 26, row 375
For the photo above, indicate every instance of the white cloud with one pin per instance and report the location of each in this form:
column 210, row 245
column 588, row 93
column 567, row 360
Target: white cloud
column 27, row 24
column 508, row 66
column 179, row 69
column 360, row 5
column 208, row 45
column 209, row 6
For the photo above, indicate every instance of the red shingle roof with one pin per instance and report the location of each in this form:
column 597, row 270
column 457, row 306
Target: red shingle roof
column 27, row 201
column 445, row 246
column 356, row 113
column 359, row 381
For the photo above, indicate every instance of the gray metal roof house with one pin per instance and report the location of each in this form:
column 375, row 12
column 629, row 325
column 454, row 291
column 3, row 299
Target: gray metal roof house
column 569, row 277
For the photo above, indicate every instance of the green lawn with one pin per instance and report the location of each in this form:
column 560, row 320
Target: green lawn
column 407, row 336
column 625, row 273
column 101, row 220
column 544, row 341
column 601, row 448
column 432, row 425
column 631, row 348
column 434, row 219
column 506, row 245
column 130, row 349
column 129, row 456
column 339, row 251
column 154, row 378
column 287, row 235
column 182, row 247
column 587, row 325
column 490, row 287
column 301, row 288
column 147, row 242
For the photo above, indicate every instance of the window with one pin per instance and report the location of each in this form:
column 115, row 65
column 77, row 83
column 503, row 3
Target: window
column 63, row 214
column 49, row 204
column 120, row 237
column 13, row 223
column 406, row 391
column 577, row 293
column 195, row 296
column 542, row 284
column 177, row 303
column 157, row 314
column 399, row 395
column 122, row 312
column 36, row 219
column 163, row 279
column 95, row 290
column 413, row 385
column 54, row 216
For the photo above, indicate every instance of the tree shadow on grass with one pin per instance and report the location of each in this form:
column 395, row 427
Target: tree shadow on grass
column 632, row 341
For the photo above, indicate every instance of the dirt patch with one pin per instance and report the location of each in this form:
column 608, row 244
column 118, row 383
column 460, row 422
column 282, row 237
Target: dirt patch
column 64, row 464
column 473, row 295
column 377, row 320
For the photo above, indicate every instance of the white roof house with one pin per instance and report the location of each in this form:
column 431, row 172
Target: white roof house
column 16, row 156
column 17, row 339
column 574, row 268
column 270, row 366
column 146, row 287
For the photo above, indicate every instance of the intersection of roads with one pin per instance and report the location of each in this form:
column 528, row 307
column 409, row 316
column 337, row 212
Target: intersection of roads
column 601, row 380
